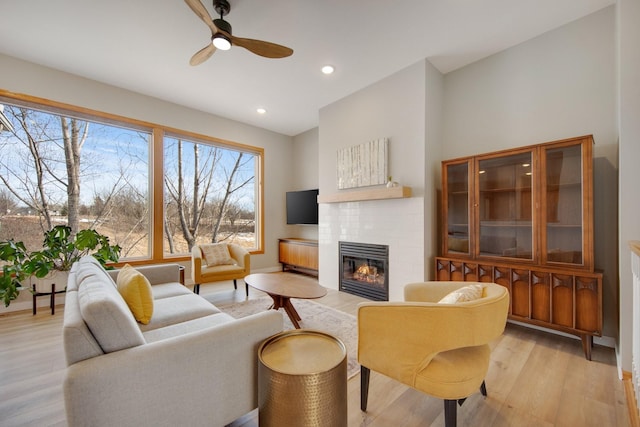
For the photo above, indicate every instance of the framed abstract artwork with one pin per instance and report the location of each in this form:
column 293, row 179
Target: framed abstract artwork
column 363, row 165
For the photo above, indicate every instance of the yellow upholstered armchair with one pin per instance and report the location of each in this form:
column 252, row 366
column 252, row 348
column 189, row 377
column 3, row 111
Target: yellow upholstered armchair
column 440, row 349
column 213, row 262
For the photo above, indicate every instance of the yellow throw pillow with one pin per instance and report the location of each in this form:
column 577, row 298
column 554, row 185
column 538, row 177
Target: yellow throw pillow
column 136, row 291
column 464, row 294
column 217, row 254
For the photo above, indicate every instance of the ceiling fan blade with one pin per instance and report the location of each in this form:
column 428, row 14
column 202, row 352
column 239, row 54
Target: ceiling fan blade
column 203, row 54
column 262, row 48
column 202, row 13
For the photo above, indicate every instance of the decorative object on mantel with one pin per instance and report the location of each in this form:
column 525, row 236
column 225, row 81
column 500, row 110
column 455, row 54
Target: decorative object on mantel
column 363, row 165
column 391, row 183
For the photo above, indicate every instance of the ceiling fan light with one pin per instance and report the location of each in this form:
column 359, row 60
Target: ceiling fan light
column 220, row 41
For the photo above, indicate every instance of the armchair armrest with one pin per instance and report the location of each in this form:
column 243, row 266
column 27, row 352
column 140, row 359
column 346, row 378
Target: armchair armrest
column 241, row 255
column 398, row 339
column 430, row 291
column 196, row 263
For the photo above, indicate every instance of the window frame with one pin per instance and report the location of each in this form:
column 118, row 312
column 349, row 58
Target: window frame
column 156, row 162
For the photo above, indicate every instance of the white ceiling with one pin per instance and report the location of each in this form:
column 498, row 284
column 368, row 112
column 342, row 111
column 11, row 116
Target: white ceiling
column 145, row 46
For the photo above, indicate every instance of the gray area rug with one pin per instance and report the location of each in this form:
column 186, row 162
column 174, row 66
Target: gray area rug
column 314, row 316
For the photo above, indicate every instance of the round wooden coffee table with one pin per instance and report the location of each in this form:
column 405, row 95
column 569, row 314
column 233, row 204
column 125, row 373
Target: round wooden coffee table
column 281, row 287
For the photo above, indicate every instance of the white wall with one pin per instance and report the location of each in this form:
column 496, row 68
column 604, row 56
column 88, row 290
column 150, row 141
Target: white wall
column 629, row 121
column 434, row 98
column 304, row 168
column 394, row 107
column 27, row 78
column 558, row 85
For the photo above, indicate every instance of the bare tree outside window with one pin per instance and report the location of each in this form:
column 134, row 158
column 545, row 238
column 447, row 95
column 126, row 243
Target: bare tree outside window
column 64, row 170
column 209, row 195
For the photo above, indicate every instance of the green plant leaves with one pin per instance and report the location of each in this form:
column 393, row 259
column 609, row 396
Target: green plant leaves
column 9, row 284
column 12, row 251
column 60, row 249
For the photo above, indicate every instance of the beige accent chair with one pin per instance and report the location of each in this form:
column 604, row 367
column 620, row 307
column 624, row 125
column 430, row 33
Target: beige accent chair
column 439, row 349
column 203, row 273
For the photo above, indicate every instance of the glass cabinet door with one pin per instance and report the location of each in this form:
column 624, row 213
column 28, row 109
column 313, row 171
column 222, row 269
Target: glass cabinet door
column 457, row 193
column 563, row 191
column 504, row 206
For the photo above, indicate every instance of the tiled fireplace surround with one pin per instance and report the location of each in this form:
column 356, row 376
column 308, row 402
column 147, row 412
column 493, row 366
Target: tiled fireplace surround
column 398, row 223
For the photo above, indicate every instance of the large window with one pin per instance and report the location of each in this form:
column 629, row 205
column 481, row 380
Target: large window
column 210, row 195
column 62, row 165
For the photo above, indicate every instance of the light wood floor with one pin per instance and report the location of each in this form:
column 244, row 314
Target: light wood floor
column 535, row 379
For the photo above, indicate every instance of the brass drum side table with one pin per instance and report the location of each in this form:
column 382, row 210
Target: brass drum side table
column 302, row 378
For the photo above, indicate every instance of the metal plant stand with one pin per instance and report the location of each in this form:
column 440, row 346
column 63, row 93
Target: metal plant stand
column 52, row 295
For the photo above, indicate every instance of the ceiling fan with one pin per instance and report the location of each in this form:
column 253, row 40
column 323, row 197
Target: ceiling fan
column 221, row 37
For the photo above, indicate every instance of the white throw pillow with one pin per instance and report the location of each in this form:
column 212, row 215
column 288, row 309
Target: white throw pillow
column 217, row 254
column 464, row 294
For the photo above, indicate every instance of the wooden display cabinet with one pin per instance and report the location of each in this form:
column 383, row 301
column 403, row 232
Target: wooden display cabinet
column 523, row 218
column 298, row 255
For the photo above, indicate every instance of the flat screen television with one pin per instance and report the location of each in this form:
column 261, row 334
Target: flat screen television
column 302, row 207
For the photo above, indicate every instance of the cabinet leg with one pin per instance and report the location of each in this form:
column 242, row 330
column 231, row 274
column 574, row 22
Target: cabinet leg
column 34, row 298
column 587, row 344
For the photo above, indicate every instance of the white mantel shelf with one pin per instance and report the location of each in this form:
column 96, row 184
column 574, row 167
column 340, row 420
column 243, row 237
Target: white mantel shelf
column 368, row 194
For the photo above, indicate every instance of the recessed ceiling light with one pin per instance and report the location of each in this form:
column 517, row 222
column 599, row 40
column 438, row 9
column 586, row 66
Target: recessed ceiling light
column 261, row 110
column 328, row 69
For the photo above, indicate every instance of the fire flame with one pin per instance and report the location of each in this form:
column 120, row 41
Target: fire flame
column 365, row 270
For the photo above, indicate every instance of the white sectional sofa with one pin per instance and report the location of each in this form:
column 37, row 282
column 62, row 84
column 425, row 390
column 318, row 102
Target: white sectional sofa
column 191, row 365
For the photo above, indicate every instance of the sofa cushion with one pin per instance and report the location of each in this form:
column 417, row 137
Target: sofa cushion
column 218, row 269
column 87, row 266
column 182, row 328
column 217, row 254
column 136, row 291
column 464, row 294
column 155, row 273
column 171, row 289
column 181, row 308
column 107, row 315
column 79, row 342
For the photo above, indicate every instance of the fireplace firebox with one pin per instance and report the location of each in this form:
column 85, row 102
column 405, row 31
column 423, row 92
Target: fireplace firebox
column 364, row 270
